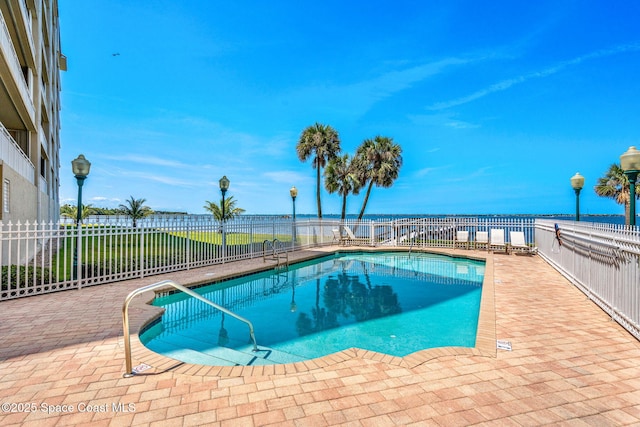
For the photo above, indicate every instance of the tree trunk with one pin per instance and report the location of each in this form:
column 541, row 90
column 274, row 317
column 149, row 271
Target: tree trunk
column 364, row 202
column 364, row 205
column 318, row 188
column 344, row 207
column 627, row 213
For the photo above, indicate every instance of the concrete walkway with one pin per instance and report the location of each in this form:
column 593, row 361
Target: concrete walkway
column 61, row 363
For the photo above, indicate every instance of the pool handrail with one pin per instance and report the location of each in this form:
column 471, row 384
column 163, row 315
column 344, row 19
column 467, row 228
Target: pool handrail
column 275, row 254
column 164, row 283
column 264, row 252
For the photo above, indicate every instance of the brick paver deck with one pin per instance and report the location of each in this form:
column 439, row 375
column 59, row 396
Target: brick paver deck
column 61, row 363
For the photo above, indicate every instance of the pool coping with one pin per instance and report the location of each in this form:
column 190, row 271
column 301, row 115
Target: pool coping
column 149, row 362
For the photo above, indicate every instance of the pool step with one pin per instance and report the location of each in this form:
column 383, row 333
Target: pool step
column 192, row 350
column 187, row 355
column 265, row 355
column 269, row 356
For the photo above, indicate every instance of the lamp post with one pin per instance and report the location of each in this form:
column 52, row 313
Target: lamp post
column 224, row 186
column 577, row 182
column 294, row 193
column 80, row 167
column 630, row 163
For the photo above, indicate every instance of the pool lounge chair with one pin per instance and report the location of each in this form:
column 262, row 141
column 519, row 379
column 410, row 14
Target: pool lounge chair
column 337, row 237
column 517, row 243
column 462, row 237
column 496, row 240
column 482, row 240
column 352, row 239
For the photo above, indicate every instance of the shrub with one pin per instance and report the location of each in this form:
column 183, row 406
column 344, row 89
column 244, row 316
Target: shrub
column 20, row 276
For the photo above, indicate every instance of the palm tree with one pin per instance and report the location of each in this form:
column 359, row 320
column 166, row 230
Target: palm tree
column 230, row 209
column 378, row 162
column 340, row 176
column 615, row 185
column 323, row 142
column 135, row 209
column 71, row 211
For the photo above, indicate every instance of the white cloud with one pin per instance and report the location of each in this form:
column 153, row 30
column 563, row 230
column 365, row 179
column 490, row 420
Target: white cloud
column 158, row 177
column 446, row 119
column 147, row 160
column 506, row 84
column 429, row 170
column 290, row 177
column 357, row 98
column 459, row 124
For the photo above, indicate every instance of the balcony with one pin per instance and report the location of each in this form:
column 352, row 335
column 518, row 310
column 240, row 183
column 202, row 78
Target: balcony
column 45, row 52
column 14, row 157
column 44, row 99
column 16, row 86
column 44, row 186
column 25, row 31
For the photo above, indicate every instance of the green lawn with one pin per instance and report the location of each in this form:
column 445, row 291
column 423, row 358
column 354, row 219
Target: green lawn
column 215, row 238
column 103, row 252
column 112, row 249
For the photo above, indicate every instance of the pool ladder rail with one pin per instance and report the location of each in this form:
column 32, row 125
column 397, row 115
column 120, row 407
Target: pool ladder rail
column 275, row 254
column 125, row 317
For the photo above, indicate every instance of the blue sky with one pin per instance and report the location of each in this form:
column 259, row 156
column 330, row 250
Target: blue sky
column 495, row 104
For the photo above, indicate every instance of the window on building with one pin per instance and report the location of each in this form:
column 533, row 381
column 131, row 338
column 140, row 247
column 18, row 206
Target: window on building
column 21, row 137
column 25, row 74
column 6, row 188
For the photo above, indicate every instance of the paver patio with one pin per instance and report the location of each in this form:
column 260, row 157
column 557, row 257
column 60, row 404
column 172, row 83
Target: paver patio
column 569, row 365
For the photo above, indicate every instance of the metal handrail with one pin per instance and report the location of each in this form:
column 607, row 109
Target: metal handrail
column 264, row 258
column 125, row 317
column 274, row 253
column 286, row 255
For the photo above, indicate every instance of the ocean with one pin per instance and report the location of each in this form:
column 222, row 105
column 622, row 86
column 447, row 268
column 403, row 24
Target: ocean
column 607, row 219
column 152, row 219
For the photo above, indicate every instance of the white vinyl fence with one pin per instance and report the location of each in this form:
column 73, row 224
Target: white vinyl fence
column 39, row 258
column 431, row 232
column 602, row 260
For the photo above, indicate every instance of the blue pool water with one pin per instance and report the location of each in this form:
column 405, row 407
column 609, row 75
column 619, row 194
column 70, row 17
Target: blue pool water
column 392, row 303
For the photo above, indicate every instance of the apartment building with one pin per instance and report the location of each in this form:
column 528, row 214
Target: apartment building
column 30, row 64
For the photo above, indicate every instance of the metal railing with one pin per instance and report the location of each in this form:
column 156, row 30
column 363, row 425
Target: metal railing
column 36, row 257
column 165, row 283
column 275, row 254
column 431, row 232
column 17, row 81
column 14, row 157
column 602, row 260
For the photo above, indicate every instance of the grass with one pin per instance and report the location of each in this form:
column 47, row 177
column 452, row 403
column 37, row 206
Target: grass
column 232, row 238
column 106, row 252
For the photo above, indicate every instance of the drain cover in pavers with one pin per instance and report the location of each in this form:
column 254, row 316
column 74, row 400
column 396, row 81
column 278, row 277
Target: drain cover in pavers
column 503, row 345
column 141, row 368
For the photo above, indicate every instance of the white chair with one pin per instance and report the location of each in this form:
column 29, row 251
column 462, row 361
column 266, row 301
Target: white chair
column 482, row 239
column 337, row 236
column 517, row 242
column 462, row 237
column 496, row 240
column 351, row 238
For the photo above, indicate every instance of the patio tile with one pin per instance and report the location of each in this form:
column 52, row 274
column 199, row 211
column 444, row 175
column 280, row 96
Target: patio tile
column 569, row 365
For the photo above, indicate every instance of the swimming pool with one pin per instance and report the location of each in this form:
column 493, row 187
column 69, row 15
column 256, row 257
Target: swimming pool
column 389, row 302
